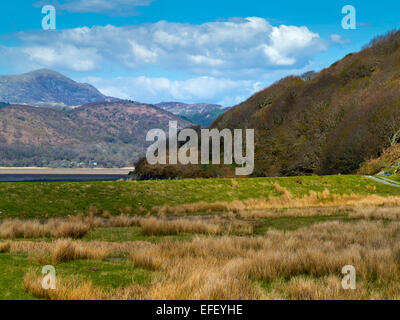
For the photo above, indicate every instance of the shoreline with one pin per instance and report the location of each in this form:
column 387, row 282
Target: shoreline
column 63, row 171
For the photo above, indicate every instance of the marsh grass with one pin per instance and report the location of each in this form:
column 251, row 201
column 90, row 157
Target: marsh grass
column 55, row 228
column 376, row 213
column 156, row 226
column 285, row 201
column 76, row 227
column 71, row 289
column 241, row 249
column 5, row 247
column 225, row 268
column 301, row 264
column 70, row 227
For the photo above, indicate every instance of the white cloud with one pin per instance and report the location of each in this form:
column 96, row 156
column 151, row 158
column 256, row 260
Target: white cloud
column 153, row 90
column 83, row 59
column 232, row 48
column 224, row 91
column 226, row 60
column 110, row 7
column 335, row 38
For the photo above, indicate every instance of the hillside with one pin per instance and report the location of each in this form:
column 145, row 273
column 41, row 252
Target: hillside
column 327, row 123
column 387, row 163
column 346, row 114
column 202, row 114
column 112, row 133
column 47, row 88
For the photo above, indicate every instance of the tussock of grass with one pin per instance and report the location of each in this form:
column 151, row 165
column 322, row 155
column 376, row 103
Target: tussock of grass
column 145, row 259
column 283, row 191
column 74, row 227
column 56, row 228
column 66, row 289
column 5, row 247
column 234, row 184
column 106, row 220
column 308, row 288
column 66, row 250
column 73, row 288
column 293, row 213
column 376, row 213
column 156, row 226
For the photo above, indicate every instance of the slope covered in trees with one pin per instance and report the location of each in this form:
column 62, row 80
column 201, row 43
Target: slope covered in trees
column 346, row 114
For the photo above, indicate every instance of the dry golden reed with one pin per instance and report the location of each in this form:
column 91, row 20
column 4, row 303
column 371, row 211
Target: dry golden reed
column 5, row 247
column 225, row 268
column 56, row 228
column 376, row 213
column 283, row 191
column 65, row 289
column 234, row 184
column 301, row 264
column 74, row 288
column 66, row 250
column 71, row 227
column 156, row 226
column 285, row 201
column 76, row 227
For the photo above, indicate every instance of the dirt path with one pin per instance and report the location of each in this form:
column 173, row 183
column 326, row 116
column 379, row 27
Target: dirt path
column 385, row 181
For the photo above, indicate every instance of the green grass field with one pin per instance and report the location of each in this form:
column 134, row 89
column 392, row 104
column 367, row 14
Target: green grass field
column 47, row 200
column 39, row 200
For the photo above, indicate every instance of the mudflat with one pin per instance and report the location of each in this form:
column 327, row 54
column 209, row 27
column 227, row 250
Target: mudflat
column 64, row 171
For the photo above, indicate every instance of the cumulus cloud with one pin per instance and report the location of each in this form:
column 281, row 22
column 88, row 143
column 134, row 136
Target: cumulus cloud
column 232, row 48
column 225, row 61
column 82, row 59
column 153, row 90
column 224, row 91
column 335, row 38
column 110, row 7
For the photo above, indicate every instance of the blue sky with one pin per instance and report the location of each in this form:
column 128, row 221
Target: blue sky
column 215, row 51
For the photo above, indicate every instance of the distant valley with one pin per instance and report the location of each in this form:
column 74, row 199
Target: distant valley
column 202, row 114
column 47, row 119
column 109, row 134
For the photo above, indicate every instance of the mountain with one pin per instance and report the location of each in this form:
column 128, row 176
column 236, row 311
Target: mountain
column 325, row 123
column 112, row 133
column 202, row 114
column 47, row 88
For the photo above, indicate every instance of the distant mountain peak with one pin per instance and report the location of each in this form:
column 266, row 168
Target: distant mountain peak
column 44, row 71
column 48, row 88
column 199, row 113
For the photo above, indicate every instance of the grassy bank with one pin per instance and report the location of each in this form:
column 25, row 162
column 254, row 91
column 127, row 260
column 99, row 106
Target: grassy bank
column 28, row 200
